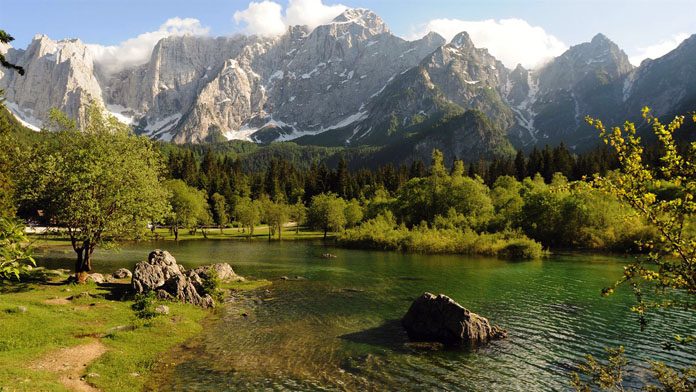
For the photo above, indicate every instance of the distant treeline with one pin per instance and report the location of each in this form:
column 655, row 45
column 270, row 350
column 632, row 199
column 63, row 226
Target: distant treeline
column 295, row 173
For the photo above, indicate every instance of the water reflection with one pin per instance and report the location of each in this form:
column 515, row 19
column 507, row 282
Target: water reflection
column 338, row 329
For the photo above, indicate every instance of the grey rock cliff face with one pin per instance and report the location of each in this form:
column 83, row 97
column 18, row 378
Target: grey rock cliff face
column 160, row 93
column 455, row 76
column 192, row 88
column 338, row 68
column 582, row 81
column 58, row 74
column 667, row 85
column 349, row 82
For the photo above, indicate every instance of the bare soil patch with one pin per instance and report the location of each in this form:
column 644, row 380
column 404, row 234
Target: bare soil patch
column 70, row 362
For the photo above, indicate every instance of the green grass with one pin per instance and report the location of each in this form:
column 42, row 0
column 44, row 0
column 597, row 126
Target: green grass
column 260, row 233
column 26, row 337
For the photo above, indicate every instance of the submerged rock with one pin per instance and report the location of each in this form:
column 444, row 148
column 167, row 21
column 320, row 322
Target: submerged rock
column 169, row 280
column 224, row 272
column 439, row 318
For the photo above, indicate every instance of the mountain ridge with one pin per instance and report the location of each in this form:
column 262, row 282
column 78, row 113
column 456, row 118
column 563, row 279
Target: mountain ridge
column 349, row 82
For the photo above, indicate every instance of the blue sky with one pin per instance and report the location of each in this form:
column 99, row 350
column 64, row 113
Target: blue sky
column 640, row 27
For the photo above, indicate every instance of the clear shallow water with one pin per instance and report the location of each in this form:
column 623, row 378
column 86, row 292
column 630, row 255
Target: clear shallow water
column 338, row 329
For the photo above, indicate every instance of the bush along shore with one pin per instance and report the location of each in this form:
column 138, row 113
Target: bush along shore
column 381, row 233
column 110, row 332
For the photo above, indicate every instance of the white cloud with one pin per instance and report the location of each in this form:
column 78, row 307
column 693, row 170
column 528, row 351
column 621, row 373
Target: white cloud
column 267, row 18
column 137, row 51
column 512, row 41
column 263, row 18
column 659, row 49
column 311, row 13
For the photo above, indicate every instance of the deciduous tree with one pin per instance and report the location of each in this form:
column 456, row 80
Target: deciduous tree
column 100, row 183
column 189, row 207
column 220, row 210
column 327, row 213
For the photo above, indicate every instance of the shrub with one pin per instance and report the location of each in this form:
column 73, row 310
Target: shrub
column 522, row 248
column 383, row 233
column 211, row 286
column 15, row 255
column 144, row 305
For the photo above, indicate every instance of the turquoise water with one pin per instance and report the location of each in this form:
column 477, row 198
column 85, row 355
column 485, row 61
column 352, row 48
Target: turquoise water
column 336, row 326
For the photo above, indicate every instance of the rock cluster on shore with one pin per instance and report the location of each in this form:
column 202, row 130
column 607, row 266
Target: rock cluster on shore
column 122, row 273
column 438, row 318
column 161, row 274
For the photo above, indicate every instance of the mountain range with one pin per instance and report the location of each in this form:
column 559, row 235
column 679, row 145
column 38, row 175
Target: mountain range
column 353, row 83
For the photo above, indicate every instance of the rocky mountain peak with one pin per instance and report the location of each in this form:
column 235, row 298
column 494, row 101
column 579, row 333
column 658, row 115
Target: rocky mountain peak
column 691, row 41
column 60, row 51
column 602, row 50
column 350, row 81
column 601, row 39
column 462, row 40
column 58, row 74
column 434, row 37
column 364, row 18
column 598, row 57
column 666, row 84
column 689, row 45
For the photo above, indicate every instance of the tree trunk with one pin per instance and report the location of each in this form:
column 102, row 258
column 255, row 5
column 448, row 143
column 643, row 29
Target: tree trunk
column 297, row 228
column 176, row 233
column 269, row 232
column 83, row 263
column 325, row 231
column 78, row 264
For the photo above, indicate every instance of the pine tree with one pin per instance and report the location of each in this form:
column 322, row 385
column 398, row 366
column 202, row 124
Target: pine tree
column 520, row 165
column 535, row 164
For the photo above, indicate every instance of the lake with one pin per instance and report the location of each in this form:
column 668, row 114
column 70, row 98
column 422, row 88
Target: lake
column 334, row 325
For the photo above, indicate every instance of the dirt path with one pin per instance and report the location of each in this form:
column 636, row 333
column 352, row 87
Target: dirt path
column 57, row 301
column 70, row 362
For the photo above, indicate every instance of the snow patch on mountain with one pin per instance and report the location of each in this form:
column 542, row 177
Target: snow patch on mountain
column 25, row 117
column 244, row 133
column 164, row 125
column 122, row 114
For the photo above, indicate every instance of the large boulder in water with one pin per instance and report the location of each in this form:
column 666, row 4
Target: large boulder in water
column 439, row 318
column 223, row 271
column 161, row 273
